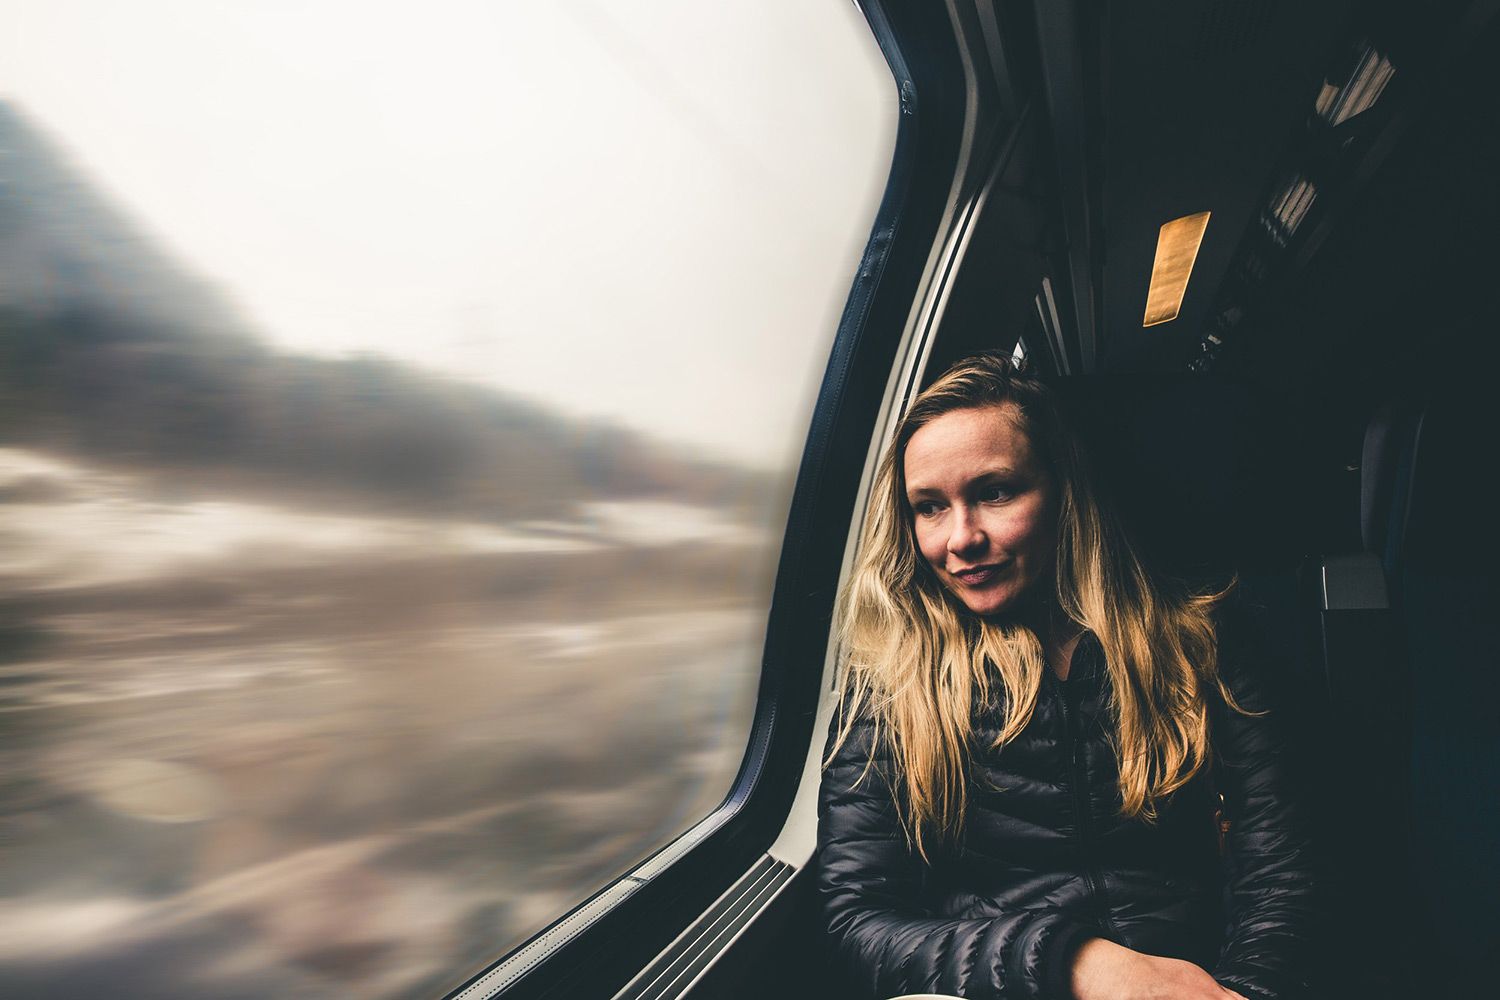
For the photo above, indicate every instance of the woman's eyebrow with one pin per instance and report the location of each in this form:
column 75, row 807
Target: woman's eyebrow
column 998, row 472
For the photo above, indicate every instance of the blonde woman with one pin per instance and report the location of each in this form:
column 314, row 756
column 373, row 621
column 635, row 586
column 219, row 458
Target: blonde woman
column 1021, row 790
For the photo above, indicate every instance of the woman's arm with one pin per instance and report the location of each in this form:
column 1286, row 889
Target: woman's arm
column 885, row 941
column 1274, row 910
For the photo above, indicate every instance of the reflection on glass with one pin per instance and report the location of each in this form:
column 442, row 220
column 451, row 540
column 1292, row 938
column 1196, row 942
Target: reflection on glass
column 337, row 667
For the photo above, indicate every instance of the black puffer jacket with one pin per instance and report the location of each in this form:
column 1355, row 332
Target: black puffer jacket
column 1047, row 862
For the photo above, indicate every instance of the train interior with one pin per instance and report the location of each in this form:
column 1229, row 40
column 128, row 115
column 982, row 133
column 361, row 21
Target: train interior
column 1309, row 414
column 1313, row 420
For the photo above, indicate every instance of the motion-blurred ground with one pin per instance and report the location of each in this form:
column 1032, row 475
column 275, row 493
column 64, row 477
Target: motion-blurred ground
column 250, row 750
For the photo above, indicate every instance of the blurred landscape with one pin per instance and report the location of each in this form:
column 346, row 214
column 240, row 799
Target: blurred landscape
column 326, row 677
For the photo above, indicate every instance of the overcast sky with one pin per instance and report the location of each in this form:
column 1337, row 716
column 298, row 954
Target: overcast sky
column 646, row 209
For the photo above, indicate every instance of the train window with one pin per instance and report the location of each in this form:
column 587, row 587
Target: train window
column 398, row 411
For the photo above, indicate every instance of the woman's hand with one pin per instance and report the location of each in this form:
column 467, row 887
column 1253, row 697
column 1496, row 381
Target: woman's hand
column 1103, row 970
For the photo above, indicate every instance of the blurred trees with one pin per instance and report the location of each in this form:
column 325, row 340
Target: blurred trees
column 206, row 411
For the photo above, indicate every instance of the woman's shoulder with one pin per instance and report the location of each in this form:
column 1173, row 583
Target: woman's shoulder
column 1238, row 621
column 859, row 776
column 1259, row 654
column 855, row 735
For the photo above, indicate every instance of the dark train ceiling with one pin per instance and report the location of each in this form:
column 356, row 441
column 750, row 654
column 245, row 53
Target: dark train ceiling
column 1347, row 153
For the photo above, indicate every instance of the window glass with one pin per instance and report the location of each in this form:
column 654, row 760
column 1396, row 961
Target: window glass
column 398, row 411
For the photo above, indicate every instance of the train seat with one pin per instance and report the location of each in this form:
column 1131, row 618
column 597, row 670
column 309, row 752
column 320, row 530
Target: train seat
column 1361, row 742
column 1446, row 591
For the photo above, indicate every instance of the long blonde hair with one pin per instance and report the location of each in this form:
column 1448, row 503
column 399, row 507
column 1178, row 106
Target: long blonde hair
column 917, row 661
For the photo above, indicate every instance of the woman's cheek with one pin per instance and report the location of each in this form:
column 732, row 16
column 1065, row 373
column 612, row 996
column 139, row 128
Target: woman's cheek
column 930, row 543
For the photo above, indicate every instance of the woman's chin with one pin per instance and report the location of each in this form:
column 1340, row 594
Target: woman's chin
column 987, row 605
column 1006, row 601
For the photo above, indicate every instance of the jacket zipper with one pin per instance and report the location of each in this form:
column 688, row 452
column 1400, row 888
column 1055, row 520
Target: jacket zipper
column 1081, row 813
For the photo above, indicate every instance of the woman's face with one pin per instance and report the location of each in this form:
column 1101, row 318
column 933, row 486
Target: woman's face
column 983, row 508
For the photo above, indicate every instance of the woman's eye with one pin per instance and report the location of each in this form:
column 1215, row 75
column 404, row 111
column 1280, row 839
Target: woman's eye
column 925, row 508
column 995, row 494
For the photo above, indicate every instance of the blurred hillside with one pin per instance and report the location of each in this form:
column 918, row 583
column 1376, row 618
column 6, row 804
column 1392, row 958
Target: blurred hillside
column 111, row 352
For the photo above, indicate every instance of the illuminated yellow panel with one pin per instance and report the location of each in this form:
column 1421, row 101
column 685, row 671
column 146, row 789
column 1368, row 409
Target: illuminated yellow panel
column 1176, row 250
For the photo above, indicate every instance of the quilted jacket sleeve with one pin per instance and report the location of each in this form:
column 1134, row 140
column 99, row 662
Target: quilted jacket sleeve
column 1274, row 910
column 885, row 942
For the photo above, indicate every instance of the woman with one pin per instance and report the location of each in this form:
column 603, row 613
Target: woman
column 1020, row 795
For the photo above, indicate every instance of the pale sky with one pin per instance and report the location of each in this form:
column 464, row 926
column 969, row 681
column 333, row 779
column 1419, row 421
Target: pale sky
column 643, row 209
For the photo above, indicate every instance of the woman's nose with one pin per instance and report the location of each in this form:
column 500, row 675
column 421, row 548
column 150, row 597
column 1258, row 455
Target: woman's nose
column 966, row 533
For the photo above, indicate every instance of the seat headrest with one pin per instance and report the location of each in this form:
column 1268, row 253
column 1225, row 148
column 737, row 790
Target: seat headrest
column 1453, row 524
column 1385, row 479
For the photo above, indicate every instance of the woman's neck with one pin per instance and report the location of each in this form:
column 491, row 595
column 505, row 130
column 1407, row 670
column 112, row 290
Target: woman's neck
column 1059, row 644
column 1058, row 635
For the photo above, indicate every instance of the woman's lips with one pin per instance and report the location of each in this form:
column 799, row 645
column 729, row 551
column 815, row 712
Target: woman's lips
column 978, row 576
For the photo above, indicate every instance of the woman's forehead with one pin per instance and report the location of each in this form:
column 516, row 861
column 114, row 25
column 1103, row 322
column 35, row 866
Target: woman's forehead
column 963, row 443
